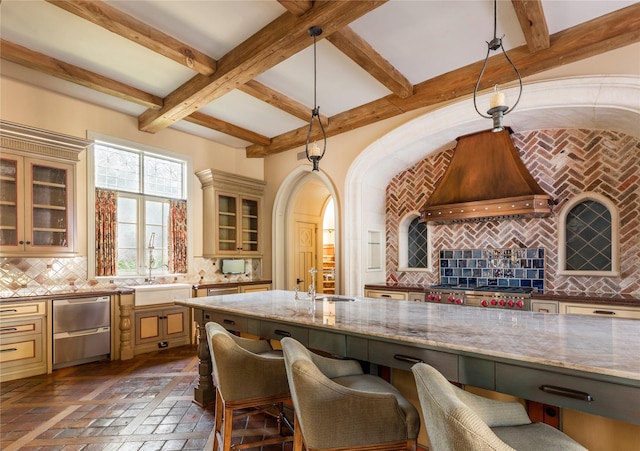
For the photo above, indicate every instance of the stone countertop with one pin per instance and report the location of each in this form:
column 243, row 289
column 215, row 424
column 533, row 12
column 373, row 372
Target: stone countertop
column 203, row 284
column 629, row 300
column 67, row 293
column 71, row 292
column 597, row 345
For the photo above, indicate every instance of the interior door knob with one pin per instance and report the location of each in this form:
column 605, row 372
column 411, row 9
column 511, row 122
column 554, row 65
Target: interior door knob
column 299, row 281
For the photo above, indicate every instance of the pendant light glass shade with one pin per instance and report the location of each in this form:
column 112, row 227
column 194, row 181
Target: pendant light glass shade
column 497, row 107
column 313, row 151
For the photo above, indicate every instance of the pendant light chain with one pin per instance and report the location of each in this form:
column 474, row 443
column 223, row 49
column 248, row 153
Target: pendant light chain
column 497, row 109
column 314, row 153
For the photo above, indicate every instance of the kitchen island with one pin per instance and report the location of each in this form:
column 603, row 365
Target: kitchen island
column 584, row 363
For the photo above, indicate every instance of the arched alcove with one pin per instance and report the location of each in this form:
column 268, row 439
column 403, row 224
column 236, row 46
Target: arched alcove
column 609, row 103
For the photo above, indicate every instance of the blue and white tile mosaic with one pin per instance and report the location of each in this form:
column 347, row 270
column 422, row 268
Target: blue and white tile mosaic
column 518, row 267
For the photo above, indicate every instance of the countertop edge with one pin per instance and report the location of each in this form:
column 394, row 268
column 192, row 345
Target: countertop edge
column 627, row 300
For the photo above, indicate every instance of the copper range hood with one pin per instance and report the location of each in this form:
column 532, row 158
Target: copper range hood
column 485, row 180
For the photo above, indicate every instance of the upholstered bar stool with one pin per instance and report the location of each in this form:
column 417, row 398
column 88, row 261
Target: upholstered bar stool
column 338, row 407
column 249, row 376
column 459, row 420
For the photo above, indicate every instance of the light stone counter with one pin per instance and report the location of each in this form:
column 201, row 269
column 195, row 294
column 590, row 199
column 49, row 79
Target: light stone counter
column 602, row 349
column 585, row 343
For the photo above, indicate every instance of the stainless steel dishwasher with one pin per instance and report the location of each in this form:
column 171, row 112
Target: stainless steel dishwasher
column 81, row 330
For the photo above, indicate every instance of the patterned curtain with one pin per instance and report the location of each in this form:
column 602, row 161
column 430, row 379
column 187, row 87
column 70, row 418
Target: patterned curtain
column 178, row 236
column 106, row 232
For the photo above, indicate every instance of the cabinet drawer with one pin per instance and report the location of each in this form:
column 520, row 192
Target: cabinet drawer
column 331, row 342
column 417, row 297
column 277, row 331
column 229, row 321
column 17, row 310
column 19, row 351
column 604, row 311
column 396, row 295
column 544, row 306
column 573, row 392
column 404, row 357
column 17, row 328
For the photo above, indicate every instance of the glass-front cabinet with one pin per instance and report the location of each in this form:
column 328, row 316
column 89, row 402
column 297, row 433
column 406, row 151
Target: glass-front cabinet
column 35, row 200
column 237, row 224
column 232, row 214
column 37, row 195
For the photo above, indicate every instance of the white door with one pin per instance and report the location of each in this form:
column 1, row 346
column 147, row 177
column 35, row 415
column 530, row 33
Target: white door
column 305, row 253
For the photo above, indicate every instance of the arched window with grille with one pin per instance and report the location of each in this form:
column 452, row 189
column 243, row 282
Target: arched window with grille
column 588, row 237
column 414, row 245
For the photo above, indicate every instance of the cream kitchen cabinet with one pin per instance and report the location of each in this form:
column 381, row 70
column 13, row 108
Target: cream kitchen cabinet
column 158, row 328
column 255, row 287
column 23, row 343
column 37, row 191
column 600, row 310
column 232, row 214
column 396, row 295
column 544, row 306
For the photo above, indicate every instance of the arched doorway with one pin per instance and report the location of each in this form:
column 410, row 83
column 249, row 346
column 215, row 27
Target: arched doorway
column 298, row 229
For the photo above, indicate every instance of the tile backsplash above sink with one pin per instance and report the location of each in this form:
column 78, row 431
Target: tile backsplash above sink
column 515, row 267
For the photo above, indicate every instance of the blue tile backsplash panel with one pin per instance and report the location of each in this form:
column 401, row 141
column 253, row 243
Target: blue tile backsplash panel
column 521, row 267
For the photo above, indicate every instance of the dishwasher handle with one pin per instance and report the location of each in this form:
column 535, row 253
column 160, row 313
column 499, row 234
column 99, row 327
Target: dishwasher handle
column 60, row 302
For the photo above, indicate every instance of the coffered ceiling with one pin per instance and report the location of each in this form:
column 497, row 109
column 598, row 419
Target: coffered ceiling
column 241, row 72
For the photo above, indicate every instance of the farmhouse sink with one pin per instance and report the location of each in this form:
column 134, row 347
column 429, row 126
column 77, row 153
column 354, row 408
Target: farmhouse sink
column 160, row 293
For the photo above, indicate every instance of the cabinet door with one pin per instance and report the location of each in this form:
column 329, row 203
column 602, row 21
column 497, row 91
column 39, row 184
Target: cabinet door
column 175, row 322
column 249, row 230
column 11, row 203
column 37, row 206
column 237, row 227
column 147, row 327
column 227, row 225
column 50, row 199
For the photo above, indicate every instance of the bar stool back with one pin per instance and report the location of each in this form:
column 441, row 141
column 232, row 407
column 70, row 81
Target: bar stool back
column 338, row 407
column 249, row 377
column 457, row 419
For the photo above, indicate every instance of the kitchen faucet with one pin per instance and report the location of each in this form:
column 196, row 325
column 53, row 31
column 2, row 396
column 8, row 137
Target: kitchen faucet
column 312, row 288
column 152, row 260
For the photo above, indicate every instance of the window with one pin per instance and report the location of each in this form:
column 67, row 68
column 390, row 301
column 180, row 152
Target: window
column 414, row 245
column 148, row 183
column 588, row 237
column 417, row 244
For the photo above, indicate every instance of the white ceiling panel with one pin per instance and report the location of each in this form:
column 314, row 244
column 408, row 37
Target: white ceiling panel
column 212, row 27
column 341, row 83
column 248, row 112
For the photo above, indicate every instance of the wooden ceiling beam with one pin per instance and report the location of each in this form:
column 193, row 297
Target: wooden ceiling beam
column 359, row 51
column 365, row 56
column 227, row 128
column 59, row 69
column 297, row 7
column 603, row 34
column 134, row 30
column 279, row 100
column 282, row 38
column 533, row 23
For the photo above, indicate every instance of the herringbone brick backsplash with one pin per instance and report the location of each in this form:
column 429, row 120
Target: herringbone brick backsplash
column 565, row 163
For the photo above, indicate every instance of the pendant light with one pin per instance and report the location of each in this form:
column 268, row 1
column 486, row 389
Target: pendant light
column 314, row 152
column 497, row 106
